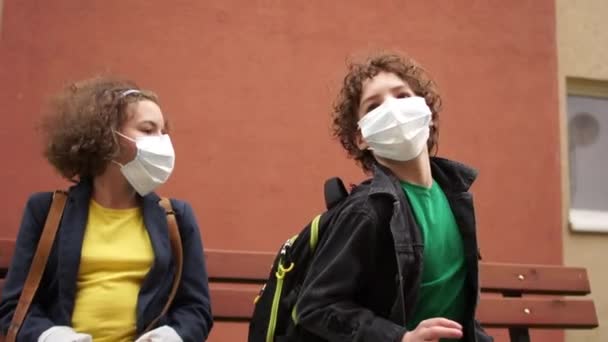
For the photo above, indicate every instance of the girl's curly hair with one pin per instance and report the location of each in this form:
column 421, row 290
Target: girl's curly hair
column 79, row 128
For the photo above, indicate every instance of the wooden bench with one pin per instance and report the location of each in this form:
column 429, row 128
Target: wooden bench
column 516, row 297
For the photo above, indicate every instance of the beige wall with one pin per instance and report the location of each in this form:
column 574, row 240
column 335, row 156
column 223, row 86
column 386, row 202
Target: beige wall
column 582, row 33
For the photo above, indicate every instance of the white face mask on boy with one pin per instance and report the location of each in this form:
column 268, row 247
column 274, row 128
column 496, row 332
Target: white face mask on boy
column 398, row 129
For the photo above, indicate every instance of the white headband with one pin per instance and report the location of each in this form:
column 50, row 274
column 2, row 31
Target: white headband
column 129, row 92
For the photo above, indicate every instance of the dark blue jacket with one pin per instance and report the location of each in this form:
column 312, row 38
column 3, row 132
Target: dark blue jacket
column 190, row 313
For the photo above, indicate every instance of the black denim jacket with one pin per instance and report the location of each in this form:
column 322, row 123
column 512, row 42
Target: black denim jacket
column 364, row 279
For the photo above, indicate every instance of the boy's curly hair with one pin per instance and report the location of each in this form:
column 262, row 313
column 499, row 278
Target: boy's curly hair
column 346, row 107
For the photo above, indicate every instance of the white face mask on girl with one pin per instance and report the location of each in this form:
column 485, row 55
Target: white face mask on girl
column 398, row 129
column 152, row 164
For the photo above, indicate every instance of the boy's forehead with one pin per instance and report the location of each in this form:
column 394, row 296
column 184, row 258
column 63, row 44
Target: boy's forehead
column 381, row 82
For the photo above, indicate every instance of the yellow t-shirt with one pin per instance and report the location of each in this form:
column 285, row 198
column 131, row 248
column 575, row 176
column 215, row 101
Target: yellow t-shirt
column 116, row 256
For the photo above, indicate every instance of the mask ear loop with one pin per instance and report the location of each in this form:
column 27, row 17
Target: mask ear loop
column 434, row 136
column 117, row 144
column 117, row 163
column 124, row 136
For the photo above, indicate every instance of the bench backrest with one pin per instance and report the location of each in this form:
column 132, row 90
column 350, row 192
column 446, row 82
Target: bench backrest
column 236, row 277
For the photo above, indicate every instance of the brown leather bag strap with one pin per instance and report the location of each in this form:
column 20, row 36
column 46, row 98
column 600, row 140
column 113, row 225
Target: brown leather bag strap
column 176, row 248
column 38, row 265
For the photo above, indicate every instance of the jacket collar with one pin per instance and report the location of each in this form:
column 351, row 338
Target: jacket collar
column 452, row 176
column 83, row 190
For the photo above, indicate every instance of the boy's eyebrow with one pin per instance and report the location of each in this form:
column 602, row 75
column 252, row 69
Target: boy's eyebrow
column 368, row 99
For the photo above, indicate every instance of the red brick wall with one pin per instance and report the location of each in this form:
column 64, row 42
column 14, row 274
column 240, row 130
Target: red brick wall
column 248, row 86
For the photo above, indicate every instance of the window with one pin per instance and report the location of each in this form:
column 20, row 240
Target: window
column 587, row 119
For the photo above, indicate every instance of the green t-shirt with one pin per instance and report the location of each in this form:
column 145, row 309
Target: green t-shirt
column 443, row 273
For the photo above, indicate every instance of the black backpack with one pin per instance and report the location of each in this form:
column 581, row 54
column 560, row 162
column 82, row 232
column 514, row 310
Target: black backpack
column 275, row 307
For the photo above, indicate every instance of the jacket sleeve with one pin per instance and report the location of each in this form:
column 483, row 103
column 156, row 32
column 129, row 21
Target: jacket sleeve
column 481, row 334
column 190, row 314
column 36, row 321
column 340, row 267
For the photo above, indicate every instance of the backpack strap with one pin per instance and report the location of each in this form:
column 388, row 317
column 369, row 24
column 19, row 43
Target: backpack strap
column 34, row 275
column 335, row 192
column 178, row 256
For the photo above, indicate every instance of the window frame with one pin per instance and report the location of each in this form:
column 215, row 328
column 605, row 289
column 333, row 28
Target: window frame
column 584, row 220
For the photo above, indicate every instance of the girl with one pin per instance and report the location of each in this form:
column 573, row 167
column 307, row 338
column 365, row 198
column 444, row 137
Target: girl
column 111, row 268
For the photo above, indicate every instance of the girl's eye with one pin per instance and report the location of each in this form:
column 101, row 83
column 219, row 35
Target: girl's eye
column 371, row 107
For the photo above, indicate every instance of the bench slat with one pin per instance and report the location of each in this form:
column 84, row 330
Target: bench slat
column 238, row 265
column 534, row 279
column 495, row 277
column 235, row 302
column 537, row 313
